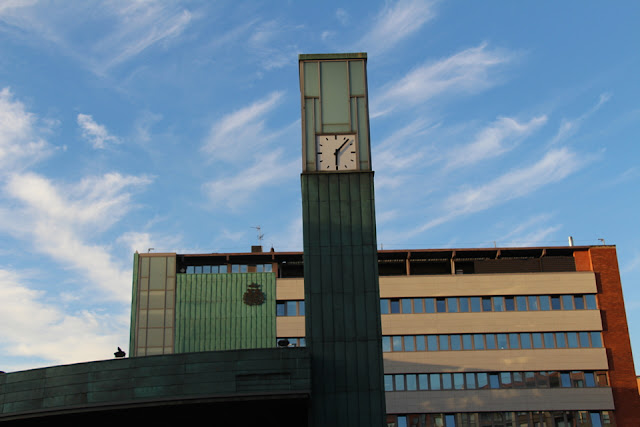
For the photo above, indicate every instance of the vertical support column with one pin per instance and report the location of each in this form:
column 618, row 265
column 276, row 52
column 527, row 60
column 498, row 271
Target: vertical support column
column 342, row 299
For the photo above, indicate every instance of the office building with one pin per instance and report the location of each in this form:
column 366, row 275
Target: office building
column 470, row 337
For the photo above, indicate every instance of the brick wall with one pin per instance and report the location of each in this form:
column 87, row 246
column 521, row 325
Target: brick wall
column 604, row 262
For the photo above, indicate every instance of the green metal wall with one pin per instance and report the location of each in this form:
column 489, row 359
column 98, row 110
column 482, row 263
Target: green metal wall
column 211, row 313
column 342, row 299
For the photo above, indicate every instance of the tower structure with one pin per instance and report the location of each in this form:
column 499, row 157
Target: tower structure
column 342, row 294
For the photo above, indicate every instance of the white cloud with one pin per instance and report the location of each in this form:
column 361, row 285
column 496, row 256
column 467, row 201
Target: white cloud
column 141, row 25
column 499, row 137
column 469, row 71
column 554, row 166
column 568, row 128
column 395, row 22
column 120, row 30
column 342, row 16
column 95, row 133
column 404, row 147
column 20, row 145
column 237, row 190
column 239, row 133
column 35, row 327
column 60, row 220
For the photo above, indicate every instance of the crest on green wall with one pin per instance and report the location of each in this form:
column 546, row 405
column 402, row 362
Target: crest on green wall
column 253, row 295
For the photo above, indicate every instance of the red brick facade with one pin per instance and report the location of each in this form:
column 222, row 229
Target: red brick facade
column 603, row 262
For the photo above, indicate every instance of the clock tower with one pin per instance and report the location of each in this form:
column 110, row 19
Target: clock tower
column 342, row 293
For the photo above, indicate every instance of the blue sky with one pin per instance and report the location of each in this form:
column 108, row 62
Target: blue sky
column 176, row 125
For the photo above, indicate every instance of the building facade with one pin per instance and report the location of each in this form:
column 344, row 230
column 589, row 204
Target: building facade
column 470, row 337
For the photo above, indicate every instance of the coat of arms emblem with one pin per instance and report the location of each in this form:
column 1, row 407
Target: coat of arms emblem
column 253, row 295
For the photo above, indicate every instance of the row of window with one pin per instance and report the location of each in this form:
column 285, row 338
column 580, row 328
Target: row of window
column 506, row 419
column 481, row 304
column 219, row 269
column 494, row 380
column 290, row 308
column 516, row 340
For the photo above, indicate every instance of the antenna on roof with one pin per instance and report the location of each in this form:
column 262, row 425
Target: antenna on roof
column 602, row 240
column 260, row 235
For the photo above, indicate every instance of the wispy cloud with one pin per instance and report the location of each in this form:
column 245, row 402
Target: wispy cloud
column 467, row 72
column 556, row 165
column 61, row 221
column 240, row 132
column 235, row 191
column 568, row 128
column 20, row 144
column 140, row 25
column 395, row 22
column 501, row 136
column 534, row 231
column 95, row 133
column 404, row 147
column 121, row 29
column 35, row 327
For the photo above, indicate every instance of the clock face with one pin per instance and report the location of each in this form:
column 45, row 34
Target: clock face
column 336, row 153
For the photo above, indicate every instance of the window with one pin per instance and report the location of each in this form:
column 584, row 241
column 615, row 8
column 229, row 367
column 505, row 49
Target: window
column 432, row 342
column 537, row 340
column 548, row 340
column 578, row 301
column 452, row 305
column 388, row 383
column 467, row 343
column 544, row 303
column 407, row 306
column 409, row 343
column 567, row 302
column 412, row 382
column 555, row 302
column 478, row 342
column 423, row 381
column 434, row 380
column 509, row 304
column 429, row 305
column 513, row 341
column 444, row 342
column 476, row 304
column 399, row 382
column 384, row 306
column 420, row 344
column 591, row 302
column 464, row 305
column 446, row 382
column 455, row 342
column 498, row 303
column 458, row 381
column 289, row 308
column 486, row 304
column 386, row 344
column 491, row 341
column 533, row 303
column 525, row 339
column 418, row 306
column 441, row 305
column 395, row 306
column 521, row 303
column 397, row 343
column 471, row 380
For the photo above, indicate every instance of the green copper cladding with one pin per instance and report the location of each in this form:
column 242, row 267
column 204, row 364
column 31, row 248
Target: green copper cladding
column 334, row 101
column 211, row 313
column 342, row 299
